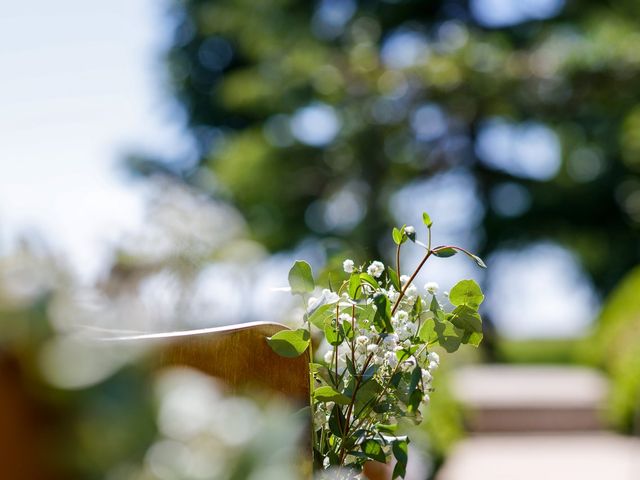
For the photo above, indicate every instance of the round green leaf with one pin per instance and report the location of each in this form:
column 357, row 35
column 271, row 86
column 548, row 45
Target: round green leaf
column 466, row 292
column 301, row 278
column 289, row 343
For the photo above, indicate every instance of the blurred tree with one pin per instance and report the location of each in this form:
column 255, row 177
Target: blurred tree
column 311, row 115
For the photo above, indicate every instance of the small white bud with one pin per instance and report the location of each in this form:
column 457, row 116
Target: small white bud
column 348, row 265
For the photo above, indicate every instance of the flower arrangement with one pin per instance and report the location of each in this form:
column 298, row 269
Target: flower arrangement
column 378, row 370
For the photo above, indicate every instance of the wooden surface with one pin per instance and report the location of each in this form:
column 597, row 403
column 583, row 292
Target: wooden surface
column 238, row 355
column 23, row 447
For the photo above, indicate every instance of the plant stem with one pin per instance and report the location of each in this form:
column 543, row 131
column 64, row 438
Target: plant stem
column 406, row 285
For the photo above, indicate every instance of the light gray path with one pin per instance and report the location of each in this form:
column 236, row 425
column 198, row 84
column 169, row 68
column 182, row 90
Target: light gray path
column 537, row 423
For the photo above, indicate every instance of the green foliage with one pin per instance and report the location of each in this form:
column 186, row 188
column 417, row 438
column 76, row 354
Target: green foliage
column 328, row 394
column 290, row 343
column 466, row 292
column 615, row 346
column 244, row 79
column 301, row 278
column 378, row 370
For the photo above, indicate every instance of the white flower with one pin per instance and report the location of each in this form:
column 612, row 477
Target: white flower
column 375, row 269
column 372, row 348
column 433, row 366
column 392, row 294
column 345, row 317
column 411, row 292
column 329, row 296
column 391, row 359
column 404, row 279
column 411, row 328
column 362, row 339
column 426, row 376
column 390, row 341
column 328, row 357
column 431, row 287
column 401, row 317
column 311, row 302
column 348, row 265
column 433, row 357
column 409, row 230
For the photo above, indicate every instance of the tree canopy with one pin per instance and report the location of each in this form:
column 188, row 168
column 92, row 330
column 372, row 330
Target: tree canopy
column 312, row 116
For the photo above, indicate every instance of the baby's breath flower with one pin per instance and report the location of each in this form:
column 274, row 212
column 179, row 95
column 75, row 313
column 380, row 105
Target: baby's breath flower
column 390, row 341
column 391, row 359
column 433, row 357
column 330, row 297
column 411, row 292
column 362, row 339
column 392, row 294
column 401, row 316
column 404, row 279
column 431, row 287
column 348, row 265
column 375, row 269
column 328, row 357
column 372, row 348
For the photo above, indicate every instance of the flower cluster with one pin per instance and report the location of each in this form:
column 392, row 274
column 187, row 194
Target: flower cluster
column 381, row 331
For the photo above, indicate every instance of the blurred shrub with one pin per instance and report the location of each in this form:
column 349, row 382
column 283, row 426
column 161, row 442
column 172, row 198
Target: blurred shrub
column 544, row 351
column 615, row 346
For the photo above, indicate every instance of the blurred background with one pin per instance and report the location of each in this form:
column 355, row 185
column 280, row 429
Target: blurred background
column 163, row 163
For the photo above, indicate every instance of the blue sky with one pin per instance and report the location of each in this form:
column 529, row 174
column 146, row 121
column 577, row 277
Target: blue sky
column 81, row 86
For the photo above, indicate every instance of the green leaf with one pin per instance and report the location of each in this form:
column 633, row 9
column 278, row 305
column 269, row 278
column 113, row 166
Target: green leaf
column 347, row 330
column 426, row 219
column 337, row 421
column 400, row 449
column 369, row 372
column 436, row 309
column 416, row 376
column 417, row 307
column 397, row 236
column 366, row 394
column 477, row 259
column 333, row 334
column 387, row 428
column 321, row 314
column 289, row 343
column 382, row 319
column 467, row 319
column 466, row 292
column 449, row 336
column 370, row 280
column 328, row 394
column 444, row 252
column 373, row 450
column 393, row 276
column 354, row 285
column 301, row 278
column 427, row 332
